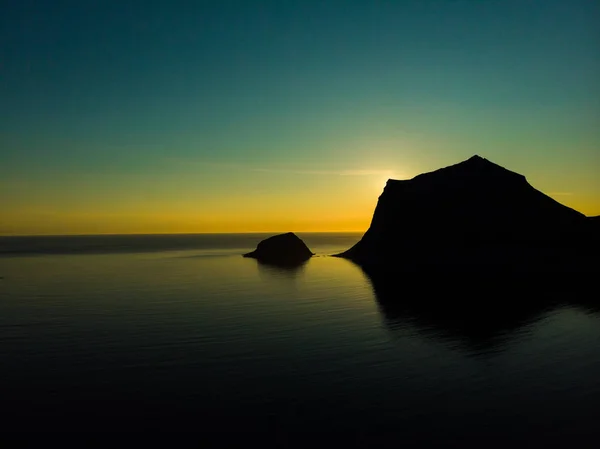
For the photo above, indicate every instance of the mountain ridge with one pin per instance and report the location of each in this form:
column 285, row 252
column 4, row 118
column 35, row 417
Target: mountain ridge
column 474, row 209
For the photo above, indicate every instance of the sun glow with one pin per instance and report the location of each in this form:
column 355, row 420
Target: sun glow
column 382, row 180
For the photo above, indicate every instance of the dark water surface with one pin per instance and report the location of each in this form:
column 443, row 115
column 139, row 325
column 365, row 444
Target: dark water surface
column 181, row 333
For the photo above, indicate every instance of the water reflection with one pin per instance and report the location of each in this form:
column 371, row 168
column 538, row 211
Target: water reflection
column 281, row 270
column 480, row 315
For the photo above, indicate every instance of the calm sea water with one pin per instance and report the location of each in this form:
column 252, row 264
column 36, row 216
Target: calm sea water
column 181, row 333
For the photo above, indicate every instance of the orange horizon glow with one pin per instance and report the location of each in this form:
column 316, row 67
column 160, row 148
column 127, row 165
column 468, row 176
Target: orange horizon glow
column 45, row 223
column 226, row 200
column 174, row 226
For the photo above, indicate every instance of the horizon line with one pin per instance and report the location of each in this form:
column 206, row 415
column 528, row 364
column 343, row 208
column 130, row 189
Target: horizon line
column 178, row 233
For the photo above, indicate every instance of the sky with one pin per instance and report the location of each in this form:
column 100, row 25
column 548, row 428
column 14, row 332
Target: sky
column 269, row 115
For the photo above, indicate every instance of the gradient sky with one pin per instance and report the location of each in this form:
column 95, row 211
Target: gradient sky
column 232, row 116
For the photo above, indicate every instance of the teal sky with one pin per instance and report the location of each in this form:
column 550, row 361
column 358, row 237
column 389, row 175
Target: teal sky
column 209, row 116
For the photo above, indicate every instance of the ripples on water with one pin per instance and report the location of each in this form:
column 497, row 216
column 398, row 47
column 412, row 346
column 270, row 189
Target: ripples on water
column 203, row 339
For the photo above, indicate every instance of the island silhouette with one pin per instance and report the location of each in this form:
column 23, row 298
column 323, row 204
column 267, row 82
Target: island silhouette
column 475, row 216
column 282, row 250
column 472, row 252
column 469, row 252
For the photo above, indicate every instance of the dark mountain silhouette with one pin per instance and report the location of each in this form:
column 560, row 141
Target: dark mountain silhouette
column 476, row 215
column 283, row 250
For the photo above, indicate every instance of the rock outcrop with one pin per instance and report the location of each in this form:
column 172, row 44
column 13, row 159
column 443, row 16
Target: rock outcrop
column 474, row 214
column 282, row 249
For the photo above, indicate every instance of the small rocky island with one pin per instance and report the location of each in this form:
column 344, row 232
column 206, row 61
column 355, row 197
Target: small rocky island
column 282, row 249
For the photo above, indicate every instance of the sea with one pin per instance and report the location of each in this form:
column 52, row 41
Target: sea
column 153, row 333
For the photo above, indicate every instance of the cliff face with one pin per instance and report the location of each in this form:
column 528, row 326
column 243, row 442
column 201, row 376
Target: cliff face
column 472, row 211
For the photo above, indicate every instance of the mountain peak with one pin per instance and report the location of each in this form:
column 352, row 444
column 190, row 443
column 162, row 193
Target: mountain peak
column 478, row 161
column 473, row 171
column 476, row 157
